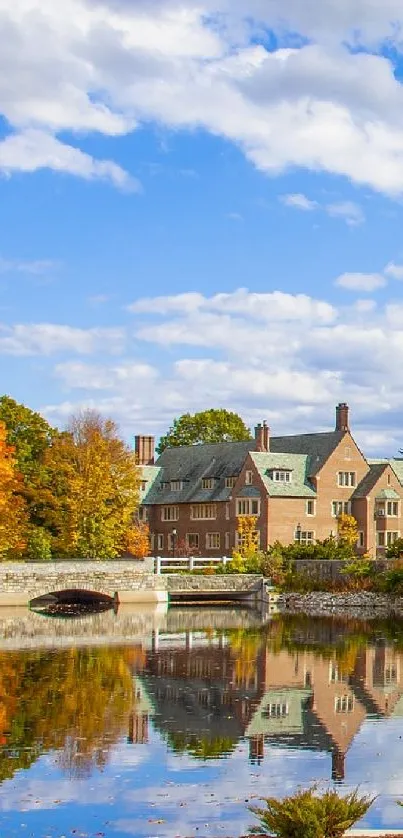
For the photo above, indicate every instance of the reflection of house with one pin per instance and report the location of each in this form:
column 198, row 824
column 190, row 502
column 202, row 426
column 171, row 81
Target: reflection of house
column 143, row 709
column 295, row 699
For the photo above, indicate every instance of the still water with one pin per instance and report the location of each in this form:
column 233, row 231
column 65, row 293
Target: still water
column 140, row 724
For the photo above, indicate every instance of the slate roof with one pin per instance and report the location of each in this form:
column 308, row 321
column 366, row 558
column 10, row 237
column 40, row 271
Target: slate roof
column 317, row 447
column 191, row 463
column 371, row 478
column 396, row 463
column 297, row 464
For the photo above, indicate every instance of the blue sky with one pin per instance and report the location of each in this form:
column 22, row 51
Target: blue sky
column 157, row 158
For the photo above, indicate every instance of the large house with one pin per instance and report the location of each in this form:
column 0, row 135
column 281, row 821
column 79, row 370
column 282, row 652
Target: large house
column 296, row 486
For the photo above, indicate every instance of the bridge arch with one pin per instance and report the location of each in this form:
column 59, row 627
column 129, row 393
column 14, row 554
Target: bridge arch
column 74, row 597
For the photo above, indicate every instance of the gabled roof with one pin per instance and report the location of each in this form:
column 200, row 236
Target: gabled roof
column 148, row 474
column 317, row 447
column 369, row 481
column 192, row 463
column 297, row 464
column 387, row 494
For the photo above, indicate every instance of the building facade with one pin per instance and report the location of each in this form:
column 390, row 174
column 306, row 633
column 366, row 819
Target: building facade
column 296, row 486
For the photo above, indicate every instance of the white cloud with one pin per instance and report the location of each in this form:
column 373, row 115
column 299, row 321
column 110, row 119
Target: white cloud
column 394, row 270
column 112, row 66
column 348, row 210
column 299, row 201
column 49, row 339
column 82, row 376
column 361, row 282
column 36, row 267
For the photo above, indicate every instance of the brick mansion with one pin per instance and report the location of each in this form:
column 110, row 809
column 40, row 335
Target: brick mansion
column 296, row 486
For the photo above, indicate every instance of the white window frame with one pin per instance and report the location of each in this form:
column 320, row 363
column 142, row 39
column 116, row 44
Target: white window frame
column 213, row 540
column 227, row 511
column 143, row 514
column 240, row 539
column 389, row 541
column 160, row 541
column 341, row 507
column 227, row 540
column 203, row 512
column 196, row 537
column 170, row 513
column 390, row 505
column 230, row 482
column 308, row 503
column 347, row 479
column 282, row 475
column 304, row 537
column 380, row 538
column 360, row 539
column 208, row 483
column 244, row 506
column 248, row 477
column 344, row 703
column 277, row 710
column 176, row 485
column 347, row 453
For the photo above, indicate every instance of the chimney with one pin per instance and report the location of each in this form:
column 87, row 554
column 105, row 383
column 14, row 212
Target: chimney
column 144, row 450
column 262, row 437
column 342, row 423
column 338, row 769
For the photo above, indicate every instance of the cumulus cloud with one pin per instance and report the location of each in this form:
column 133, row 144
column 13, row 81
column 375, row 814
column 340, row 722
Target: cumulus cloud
column 50, row 339
column 110, row 66
column 361, row 282
column 394, row 270
column 348, row 210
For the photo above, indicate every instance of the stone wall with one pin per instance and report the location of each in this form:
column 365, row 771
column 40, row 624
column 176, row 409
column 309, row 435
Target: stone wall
column 360, row 604
column 327, row 570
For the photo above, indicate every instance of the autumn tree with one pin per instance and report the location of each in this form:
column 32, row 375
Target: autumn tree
column 94, row 480
column 248, row 536
column 214, row 425
column 347, row 530
column 13, row 519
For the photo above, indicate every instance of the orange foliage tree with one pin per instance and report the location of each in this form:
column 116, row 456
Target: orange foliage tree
column 13, row 521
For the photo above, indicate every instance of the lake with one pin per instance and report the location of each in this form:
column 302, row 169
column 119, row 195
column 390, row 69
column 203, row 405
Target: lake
column 145, row 723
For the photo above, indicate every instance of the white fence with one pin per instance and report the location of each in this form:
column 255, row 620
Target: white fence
column 171, row 564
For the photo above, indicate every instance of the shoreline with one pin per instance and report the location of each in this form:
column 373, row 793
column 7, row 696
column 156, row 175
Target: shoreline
column 358, row 604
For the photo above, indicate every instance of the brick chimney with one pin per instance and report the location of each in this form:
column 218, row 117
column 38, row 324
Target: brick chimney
column 342, row 421
column 262, row 437
column 144, row 447
column 338, row 768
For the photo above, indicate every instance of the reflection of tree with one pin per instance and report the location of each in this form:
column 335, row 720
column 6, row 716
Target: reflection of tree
column 73, row 701
column 201, row 747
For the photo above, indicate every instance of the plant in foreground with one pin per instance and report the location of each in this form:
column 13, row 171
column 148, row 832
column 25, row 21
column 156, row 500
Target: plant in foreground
column 309, row 815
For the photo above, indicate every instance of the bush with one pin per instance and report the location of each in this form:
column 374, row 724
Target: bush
column 38, row 547
column 395, row 551
column 308, row 815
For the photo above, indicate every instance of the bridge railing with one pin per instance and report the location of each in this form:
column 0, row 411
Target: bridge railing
column 173, row 564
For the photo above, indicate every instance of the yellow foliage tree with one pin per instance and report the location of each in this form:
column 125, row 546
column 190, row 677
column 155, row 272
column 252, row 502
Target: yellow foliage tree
column 138, row 540
column 95, row 480
column 13, row 520
column 248, row 538
column 347, row 529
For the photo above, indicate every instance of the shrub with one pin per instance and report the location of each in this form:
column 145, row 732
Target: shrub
column 395, row 551
column 38, row 545
column 308, row 815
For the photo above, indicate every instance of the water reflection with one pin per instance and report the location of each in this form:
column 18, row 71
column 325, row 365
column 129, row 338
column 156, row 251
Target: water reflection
column 291, row 687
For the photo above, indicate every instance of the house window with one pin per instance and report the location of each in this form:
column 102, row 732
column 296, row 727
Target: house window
column 203, row 511
column 227, row 511
column 310, row 507
column 347, row 478
column 192, row 540
column 344, row 704
column 176, row 485
column 341, row 507
column 304, row 536
column 143, row 485
column 254, row 536
column 212, row 541
column 230, row 482
column 143, row 514
column 160, row 541
column 208, row 483
column 347, row 453
column 276, row 710
column 336, row 676
column 248, row 477
column 392, row 508
column 281, row 476
column 227, row 540
column 170, row 513
column 360, row 539
column 380, row 539
column 391, row 537
column 247, row 507
column 380, row 510
column 390, row 674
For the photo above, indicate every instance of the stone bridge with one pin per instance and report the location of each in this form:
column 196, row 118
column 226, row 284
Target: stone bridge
column 122, row 582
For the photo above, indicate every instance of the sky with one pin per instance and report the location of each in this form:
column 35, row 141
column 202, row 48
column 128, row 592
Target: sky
column 201, row 206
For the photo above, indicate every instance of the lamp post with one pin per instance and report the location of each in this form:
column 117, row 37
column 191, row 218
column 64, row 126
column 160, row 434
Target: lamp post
column 174, row 534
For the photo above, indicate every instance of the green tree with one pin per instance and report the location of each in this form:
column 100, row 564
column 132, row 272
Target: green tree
column 29, row 433
column 214, row 425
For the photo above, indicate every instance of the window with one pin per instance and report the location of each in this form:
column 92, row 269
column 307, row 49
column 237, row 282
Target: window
column 304, row 537
column 341, row 507
column 208, row 483
column 360, row 539
column 390, row 674
column 388, row 479
column 143, row 513
column 176, row 485
column 281, row 476
column 254, row 537
column 227, row 511
column 172, row 541
column 336, row 676
column 143, row 485
column 192, row 540
column 160, row 541
column 248, row 477
column 227, row 540
column 380, row 539
column 169, row 513
column 212, row 541
column 203, row 511
column 391, row 537
column 310, row 507
column 230, row 482
column 344, row 704
column 346, row 478
column 392, row 508
column 276, row 710
column 247, row 507
column 347, row 453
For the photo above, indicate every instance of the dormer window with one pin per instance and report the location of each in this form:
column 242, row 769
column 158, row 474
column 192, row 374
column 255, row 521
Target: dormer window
column 230, row 482
column 208, row 483
column 281, row 475
column 176, row 485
